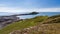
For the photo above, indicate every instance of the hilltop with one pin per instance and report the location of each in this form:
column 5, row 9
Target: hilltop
column 36, row 25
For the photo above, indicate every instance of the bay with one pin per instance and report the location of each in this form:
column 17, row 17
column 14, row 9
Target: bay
column 30, row 16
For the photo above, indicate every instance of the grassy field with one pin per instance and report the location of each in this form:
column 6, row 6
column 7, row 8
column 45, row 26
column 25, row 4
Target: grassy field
column 23, row 24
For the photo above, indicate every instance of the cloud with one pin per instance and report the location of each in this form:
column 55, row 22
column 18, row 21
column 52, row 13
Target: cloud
column 17, row 10
column 49, row 9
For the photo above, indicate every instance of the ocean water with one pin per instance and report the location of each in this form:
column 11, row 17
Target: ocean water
column 30, row 16
column 40, row 14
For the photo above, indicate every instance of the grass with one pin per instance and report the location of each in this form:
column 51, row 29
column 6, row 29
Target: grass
column 43, row 25
column 23, row 24
column 46, row 29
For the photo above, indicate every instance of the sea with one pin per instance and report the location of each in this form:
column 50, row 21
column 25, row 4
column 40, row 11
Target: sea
column 30, row 16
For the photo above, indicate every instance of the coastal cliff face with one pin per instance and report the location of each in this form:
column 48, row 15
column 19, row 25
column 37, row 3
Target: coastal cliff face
column 5, row 20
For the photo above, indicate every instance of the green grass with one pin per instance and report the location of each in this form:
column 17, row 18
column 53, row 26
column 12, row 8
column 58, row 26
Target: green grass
column 15, row 26
column 23, row 24
column 51, row 26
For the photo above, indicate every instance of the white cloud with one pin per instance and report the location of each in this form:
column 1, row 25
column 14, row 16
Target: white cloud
column 49, row 9
column 14, row 10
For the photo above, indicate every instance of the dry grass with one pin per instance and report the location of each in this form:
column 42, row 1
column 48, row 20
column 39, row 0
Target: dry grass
column 40, row 29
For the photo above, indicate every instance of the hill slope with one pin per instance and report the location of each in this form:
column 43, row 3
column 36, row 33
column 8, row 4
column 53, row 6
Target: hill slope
column 37, row 25
column 49, row 26
column 23, row 24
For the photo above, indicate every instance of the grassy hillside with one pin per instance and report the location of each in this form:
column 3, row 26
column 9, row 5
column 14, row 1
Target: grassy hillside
column 53, row 19
column 53, row 28
column 36, row 25
column 49, row 26
column 23, row 24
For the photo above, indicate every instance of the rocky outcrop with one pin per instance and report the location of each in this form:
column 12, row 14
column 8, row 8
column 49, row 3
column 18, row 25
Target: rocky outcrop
column 5, row 20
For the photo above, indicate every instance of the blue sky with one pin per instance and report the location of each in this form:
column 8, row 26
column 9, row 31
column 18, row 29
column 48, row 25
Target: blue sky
column 29, row 5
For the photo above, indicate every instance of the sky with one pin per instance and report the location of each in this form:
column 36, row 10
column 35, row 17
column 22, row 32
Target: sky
column 16, row 6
